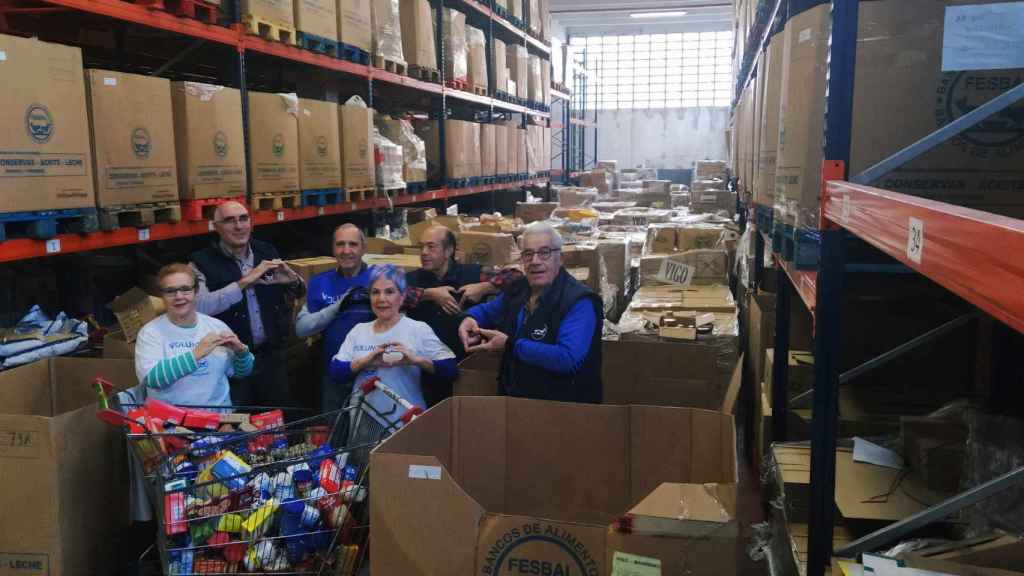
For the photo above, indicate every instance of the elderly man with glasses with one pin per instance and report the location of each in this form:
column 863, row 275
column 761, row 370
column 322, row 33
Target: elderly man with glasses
column 547, row 326
column 244, row 283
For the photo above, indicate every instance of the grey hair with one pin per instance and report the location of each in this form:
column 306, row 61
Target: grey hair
column 543, row 227
column 350, row 226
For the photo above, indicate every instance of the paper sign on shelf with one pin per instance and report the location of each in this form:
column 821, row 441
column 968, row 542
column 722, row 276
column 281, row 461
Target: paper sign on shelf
column 983, row 37
column 915, row 240
column 632, row 565
column 673, row 272
column 53, row 246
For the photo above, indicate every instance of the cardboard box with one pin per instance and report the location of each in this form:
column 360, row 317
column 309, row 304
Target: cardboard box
column 545, row 82
column 317, row 17
column 407, row 262
column 279, row 12
column 935, row 449
column 137, row 109
column 356, row 125
column 476, row 45
column 800, row 371
column 764, row 186
column 512, row 137
column 501, row 156
column 378, row 245
column 534, row 211
column 474, row 154
column 354, row 24
column 459, row 153
column 309, row 267
column 535, row 90
column 61, row 465
column 522, row 166
column 488, row 149
column 116, row 345
column 515, row 8
column 501, row 493
column 487, row 248
column 418, row 34
column 134, row 309
column 498, row 53
column 46, row 128
column 319, row 157
column 456, row 51
column 386, row 26
column 400, row 131
column 519, row 69
column 208, row 140
column 274, row 142
column 705, row 267
column 940, row 83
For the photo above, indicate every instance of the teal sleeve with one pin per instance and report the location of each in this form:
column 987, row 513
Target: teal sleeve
column 242, row 363
column 169, row 370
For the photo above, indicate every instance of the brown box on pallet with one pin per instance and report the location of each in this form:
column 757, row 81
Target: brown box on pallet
column 486, row 248
column 418, row 34
column 45, row 160
column 515, row 8
column 61, row 467
column 504, row 498
column 519, row 69
column 512, row 140
column 945, row 69
column 132, row 131
column 764, row 187
column 386, row 26
column 501, row 159
column 356, row 124
column 457, row 139
column 317, row 17
column 535, row 89
column 274, row 143
column 488, row 149
column 498, row 53
column 279, row 12
column 319, row 154
column 476, row 46
column 354, row 24
column 208, row 140
column 521, row 163
column 309, row 267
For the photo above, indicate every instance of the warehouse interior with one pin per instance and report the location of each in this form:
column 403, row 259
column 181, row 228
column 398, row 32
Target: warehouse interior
column 452, row 287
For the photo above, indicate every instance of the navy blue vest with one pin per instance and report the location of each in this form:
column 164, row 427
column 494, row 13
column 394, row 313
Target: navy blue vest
column 221, row 270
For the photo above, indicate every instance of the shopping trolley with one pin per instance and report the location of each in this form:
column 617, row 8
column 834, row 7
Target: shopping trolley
column 248, row 493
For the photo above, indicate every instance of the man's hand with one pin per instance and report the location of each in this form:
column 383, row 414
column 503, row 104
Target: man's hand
column 208, row 344
column 255, row 276
column 469, row 333
column 283, row 274
column 492, row 341
column 231, row 341
column 474, row 293
column 443, row 296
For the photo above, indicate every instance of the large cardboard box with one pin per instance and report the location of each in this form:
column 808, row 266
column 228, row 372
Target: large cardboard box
column 456, row 50
column 522, row 165
column 954, row 69
column 208, row 140
column 309, row 267
column 474, row 152
column 319, row 154
column 535, row 90
column 764, row 187
column 476, row 46
column 137, row 109
column 280, row 12
column 460, row 137
column 476, row 485
column 512, row 138
column 501, row 156
column 61, row 467
column 356, row 124
column 354, row 23
column 116, row 345
column 274, row 142
column 488, row 161
column 486, row 248
column 545, row 81
column 498, row 59
column 386, row 26
column 518, row 62
column 533, row 211
column 418, row 34
column 400, row 131
column 317, row 17
column 45, row 159
column 134, row 309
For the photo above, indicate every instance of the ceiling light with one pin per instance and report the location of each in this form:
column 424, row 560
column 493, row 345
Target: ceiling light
column 656, row 14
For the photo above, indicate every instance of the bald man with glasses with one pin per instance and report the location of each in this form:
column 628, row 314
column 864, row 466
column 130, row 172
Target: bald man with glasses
column 244, row 283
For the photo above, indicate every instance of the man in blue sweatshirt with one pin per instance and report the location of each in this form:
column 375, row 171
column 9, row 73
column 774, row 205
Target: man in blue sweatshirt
column 547, row 326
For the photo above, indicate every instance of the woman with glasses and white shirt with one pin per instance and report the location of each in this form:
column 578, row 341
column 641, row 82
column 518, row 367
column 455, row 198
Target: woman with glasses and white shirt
column 184, row 357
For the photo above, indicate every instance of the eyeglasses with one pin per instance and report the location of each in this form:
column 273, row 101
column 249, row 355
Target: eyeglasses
column 234, row 220
column 175, row 290
column 544, row 253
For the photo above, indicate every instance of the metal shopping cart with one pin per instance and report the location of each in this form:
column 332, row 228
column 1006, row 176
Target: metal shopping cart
column 248, row 493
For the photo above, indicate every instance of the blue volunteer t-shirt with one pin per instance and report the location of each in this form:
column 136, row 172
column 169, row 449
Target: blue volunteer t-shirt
column 327, row 288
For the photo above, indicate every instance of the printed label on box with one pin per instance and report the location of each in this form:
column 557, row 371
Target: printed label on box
column 631, row 565
column 424, row 472
column 19, row 443
column 25, row 564
column 983, row 37
column 139, row 177
column 214, row 174
column 39, row 164
column 673, row 272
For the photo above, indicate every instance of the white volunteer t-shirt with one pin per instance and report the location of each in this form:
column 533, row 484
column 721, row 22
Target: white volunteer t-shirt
column 208, row 385
column 405, row 380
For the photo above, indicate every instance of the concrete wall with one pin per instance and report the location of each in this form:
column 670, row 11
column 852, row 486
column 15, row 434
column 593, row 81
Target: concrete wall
column 668, row 138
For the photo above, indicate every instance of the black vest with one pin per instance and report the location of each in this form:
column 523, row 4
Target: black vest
column 446, row 326
column 517, row 378
column 221, row 270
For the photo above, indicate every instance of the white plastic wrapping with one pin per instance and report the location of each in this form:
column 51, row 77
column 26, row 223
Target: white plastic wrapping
column 574, row 196
column 389, row 162
column 414, row 150
column 535, row 87
column 476, row 47
column 387, row 31
column 456, row 51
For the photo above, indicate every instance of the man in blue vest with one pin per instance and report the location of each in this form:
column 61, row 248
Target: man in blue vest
column 244, row 283
column 547, row 326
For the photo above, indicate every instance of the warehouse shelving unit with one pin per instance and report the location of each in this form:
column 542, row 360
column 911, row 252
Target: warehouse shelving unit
column 275, row 59
column 970, row 253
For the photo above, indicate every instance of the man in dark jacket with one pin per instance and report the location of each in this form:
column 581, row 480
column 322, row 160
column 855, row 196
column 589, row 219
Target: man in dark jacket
column 440, row 290
column 547, row 327
column 246, row 285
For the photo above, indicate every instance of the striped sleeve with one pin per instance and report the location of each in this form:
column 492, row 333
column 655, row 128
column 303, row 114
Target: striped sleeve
column 169, row 370
column 242, row 364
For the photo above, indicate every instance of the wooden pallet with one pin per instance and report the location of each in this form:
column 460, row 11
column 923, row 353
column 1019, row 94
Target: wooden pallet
column 196, row 9
column 315, row 43
column 392, row 192
column 425, row 74
column 357, row 194
column 480, row 90
column 44, row 224
column 456, row 84
column 268, row 30
column 383, row 63
column 353, row 54
column 138, row 215
column 203, row 209
column 275, row 201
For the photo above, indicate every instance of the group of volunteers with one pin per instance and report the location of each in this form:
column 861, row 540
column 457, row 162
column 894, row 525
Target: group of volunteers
column 229, row 313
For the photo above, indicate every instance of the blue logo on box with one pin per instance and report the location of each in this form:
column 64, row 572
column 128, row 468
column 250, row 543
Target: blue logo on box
column 220, row 143
column 141, row 143
column 39, row 123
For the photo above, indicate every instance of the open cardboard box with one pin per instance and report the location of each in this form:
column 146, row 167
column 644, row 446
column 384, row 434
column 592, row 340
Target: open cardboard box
column 480, row 485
